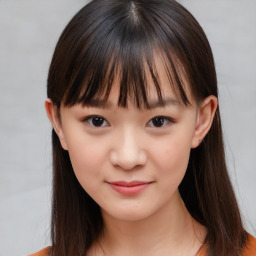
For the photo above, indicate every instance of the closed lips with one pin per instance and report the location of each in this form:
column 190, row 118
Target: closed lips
column 128, row 184
column 129, row 188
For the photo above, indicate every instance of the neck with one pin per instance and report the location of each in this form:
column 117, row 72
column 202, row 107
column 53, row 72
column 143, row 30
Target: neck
column 169, row 231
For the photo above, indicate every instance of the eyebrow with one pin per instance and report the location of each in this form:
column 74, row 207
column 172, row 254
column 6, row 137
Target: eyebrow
column 163, row 103
column 99, row 103
column 102, row 103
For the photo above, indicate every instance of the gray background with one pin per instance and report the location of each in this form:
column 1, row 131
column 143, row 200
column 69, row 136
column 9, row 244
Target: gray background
column 29, row 30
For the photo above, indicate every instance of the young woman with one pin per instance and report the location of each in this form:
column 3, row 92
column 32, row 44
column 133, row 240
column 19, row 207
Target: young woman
column 138, row 156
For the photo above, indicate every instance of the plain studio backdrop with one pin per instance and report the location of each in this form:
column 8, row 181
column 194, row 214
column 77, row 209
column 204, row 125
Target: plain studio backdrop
column 28, row 33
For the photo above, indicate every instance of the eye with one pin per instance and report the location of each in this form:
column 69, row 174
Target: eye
column 159, row 121
column 96, row 121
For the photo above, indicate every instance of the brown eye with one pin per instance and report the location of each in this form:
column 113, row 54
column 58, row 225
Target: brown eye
column 97, row 121
column 159, row 121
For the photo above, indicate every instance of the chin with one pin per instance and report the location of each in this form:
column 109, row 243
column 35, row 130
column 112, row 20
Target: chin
column 131, row 214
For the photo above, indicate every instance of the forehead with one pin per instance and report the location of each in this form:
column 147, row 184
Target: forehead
column 168, row 77
column 168, row 95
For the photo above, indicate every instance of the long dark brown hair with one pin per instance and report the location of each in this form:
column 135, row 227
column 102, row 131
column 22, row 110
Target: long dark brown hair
column 119, row 38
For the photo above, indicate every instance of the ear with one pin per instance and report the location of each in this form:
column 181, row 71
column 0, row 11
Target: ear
column 205, row 115
column 54, row 117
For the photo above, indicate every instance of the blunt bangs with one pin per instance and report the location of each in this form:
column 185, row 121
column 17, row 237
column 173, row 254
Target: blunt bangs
column 108, row 42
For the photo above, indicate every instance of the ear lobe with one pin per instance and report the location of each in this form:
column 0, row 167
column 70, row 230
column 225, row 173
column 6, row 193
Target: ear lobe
column 53, row 115
column 205, row 117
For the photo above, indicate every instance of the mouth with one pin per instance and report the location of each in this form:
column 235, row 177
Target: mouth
column 129, row 188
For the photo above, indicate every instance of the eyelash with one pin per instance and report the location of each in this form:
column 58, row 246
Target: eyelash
column 89, row 119
column 164, row 121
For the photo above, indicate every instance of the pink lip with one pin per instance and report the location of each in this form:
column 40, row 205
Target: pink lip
column 129, row 188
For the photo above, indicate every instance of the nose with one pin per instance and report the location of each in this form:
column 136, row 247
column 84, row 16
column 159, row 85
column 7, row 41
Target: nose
column 128, row 151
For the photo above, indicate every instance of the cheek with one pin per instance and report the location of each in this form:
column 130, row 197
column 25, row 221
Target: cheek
column 172, row 156
column 177, row 158
column 87, row 160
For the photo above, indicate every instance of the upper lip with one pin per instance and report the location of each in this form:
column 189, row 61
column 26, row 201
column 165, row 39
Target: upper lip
column 129, row 184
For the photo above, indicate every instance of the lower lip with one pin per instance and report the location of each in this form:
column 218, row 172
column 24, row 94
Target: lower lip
column 129, row 191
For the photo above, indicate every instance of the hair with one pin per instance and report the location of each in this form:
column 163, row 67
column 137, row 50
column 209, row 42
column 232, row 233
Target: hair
column 117, row 40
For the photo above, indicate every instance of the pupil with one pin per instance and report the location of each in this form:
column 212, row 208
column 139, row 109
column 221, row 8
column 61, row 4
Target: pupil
column 158, row 122
column 97, row 121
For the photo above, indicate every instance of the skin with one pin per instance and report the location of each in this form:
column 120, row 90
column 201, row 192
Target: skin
column 128, row 146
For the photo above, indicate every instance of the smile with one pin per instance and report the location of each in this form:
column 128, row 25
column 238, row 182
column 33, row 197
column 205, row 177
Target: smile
column 129, row 188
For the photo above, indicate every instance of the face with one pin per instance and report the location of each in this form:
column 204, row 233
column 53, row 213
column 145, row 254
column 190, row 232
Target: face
column 131, row 161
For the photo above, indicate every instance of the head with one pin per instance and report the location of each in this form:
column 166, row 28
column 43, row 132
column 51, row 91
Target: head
column 130, row 54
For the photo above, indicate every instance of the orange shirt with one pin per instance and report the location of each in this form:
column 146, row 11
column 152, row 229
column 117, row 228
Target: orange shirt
column 44, row 252
column 249, row 250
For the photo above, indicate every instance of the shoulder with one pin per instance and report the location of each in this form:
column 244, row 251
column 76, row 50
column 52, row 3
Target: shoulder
column 44, row 252
column 250, row 247
column 248, row 250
